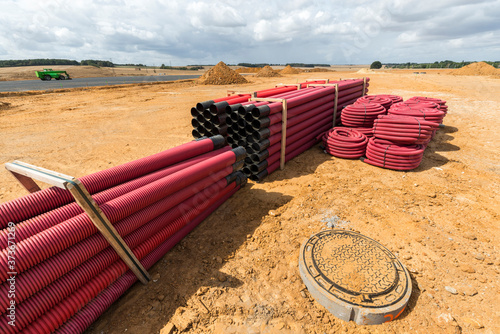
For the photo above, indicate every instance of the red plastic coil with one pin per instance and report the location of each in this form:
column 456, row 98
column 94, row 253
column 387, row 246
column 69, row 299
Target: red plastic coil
column 386, row 154
column 403, row 129
column 368, row 132
column 442, row 103
column 383, row 101
column 345, row 143
column 361, row 114
column 428, row 114
column 394, row 98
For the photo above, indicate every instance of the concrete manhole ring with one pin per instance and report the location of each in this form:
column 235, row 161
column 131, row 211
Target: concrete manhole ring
column 354, row 277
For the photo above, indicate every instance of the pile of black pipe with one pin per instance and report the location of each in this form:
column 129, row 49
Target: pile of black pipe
column 257, row 125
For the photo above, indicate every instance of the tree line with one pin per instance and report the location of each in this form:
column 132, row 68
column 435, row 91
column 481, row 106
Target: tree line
column 438, row 64
column 291, row 64
column 47, row 61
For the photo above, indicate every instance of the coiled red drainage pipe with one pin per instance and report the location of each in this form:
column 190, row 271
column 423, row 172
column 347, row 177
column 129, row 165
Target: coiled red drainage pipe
column 442, row 103
column 42, row 222
column 47, row 199
column 404, row 129
column 361, row 114
column 383, row 101
column 47, row 243
column 368, row 132
column 428, row 114
column 394, row 98
column 56, row 316
column 88, row 314
column 345, row 143
column 386, row 154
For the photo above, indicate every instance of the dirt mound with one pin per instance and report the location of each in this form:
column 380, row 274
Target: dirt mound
column 365, row 71
column 290, row 70
column 320, row 69
column 248, row 69
column 4, row 105
column 268, row 72
column 221, row 74
column 480, row 68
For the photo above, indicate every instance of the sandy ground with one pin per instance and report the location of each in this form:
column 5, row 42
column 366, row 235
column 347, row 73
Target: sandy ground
column 238, row 272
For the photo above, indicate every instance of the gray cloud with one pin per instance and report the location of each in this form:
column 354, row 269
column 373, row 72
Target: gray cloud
column 204, row 31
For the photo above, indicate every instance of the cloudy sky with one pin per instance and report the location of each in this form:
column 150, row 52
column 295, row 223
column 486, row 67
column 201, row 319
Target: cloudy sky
column 181, row 32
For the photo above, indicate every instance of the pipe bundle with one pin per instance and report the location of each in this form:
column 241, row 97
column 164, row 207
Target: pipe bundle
column 257, row 125
column 64, row 265
column 400, row 138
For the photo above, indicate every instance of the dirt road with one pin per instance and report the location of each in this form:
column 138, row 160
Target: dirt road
column 238, row 271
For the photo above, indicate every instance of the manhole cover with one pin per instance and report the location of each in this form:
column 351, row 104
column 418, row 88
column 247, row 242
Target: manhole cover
column 354, row 277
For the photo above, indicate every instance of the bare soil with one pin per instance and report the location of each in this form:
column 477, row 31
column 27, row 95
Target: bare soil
column 238, row 271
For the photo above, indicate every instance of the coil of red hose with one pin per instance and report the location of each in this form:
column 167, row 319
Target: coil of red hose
column 368, row 132
column 345, row 143
column 361, row 114
column 416, row 104
column 386, row 154
column 442, row 103
column 394, row 98
column 383, row 101
column 428, row 114
column 404, row 129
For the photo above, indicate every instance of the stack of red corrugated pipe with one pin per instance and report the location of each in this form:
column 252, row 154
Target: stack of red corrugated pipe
column 67, row 274
column 358, row 118
column 400, row 138
column 257, row 125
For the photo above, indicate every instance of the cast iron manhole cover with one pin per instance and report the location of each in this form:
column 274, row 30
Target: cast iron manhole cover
column 354, row 277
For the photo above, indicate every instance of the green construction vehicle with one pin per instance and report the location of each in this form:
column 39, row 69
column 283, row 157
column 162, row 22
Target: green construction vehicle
column 47, row 74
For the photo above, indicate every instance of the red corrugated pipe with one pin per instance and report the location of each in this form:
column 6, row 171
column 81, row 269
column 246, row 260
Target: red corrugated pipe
column 345, row 143
column 45, row 244
column 386, row 154
column 57, row 315
column 42, row 201
column 87, row 315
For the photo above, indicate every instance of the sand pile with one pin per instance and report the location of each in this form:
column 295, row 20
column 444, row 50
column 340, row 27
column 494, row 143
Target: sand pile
column 365, row 71
column 248, row 69
column 221, row 74
column 480, row 68
column 268, row 72
column 4, row 105
column 290, row 70
column 320, row 69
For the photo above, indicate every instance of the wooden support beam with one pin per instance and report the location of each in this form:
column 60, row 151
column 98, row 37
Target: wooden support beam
column 364, row 86
column 325, row 80
column 335, row 103
column 230, row 92
column 299, row 86
column 25, row 171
